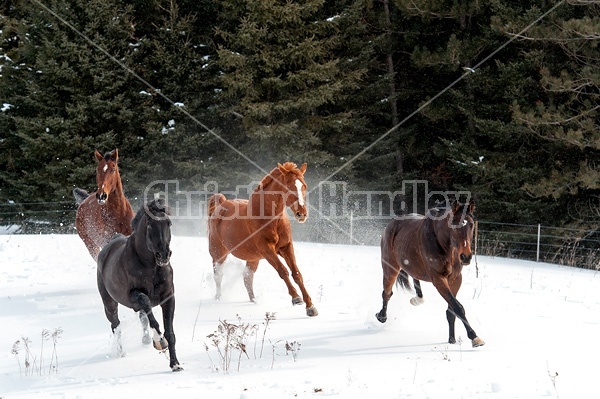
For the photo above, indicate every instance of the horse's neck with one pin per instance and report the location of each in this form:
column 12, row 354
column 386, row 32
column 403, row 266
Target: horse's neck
column 136, row 244
column 434, row 228
column 266, row 201
column 121, row 204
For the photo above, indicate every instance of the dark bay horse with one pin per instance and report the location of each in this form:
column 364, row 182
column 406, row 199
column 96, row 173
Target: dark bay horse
column 430, row 248
column 258, row 228
column 136, row 272
column 107, row 212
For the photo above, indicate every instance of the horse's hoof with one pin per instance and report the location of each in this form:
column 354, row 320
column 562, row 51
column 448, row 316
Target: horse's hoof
column 312, row 311
column 161, row 344
column 452, row 340
column 382, row 319
column 416, row 301
column 297, row 301
column 176, row 368
column 477, row 342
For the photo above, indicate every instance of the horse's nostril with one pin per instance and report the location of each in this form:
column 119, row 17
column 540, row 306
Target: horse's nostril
column 466, row 259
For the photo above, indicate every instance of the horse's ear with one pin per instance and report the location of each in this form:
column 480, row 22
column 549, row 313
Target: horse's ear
column 114, row 155
column 455, row 206
column 303, row 168
column 281, row 168
column 471, row 208
column 98, row 156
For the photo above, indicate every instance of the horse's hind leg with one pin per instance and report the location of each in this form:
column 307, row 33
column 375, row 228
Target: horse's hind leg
column 111, row 307
column 417, row 300
column 111, row 310
column 218, row 254
column 391, row 270
column 218, row 261
column 249, row 271
column 144, row 320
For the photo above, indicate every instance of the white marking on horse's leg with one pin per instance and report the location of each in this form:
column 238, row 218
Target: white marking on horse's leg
column 298, row 184
column 416, row 301
column 155, row 335
column 117, row 343
column 160, row 343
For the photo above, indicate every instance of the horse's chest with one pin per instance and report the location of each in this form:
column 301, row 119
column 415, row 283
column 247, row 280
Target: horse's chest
column 153, row 285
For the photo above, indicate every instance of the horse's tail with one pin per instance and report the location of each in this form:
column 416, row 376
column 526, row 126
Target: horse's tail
column 402, row 280
column 214, row 202
column 80, row 195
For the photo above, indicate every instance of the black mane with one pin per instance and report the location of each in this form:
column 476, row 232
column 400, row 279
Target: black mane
column 155, row 208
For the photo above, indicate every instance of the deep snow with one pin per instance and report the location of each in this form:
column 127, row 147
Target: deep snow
column 540, row 323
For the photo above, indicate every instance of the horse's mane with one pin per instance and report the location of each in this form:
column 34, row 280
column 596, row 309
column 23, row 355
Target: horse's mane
column 288, row 167
column 156, row 208
column 442, row 210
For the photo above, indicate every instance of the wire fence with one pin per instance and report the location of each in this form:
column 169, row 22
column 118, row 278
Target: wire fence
column 564, row 246
column 572, row 247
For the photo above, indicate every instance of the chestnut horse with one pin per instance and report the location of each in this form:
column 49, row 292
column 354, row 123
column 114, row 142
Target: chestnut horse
column 99, row 217
column 258, row 228
column 430, row 248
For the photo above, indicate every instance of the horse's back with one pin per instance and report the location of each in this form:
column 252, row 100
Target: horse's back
column 111, row 269
column 400, row 245
column 110, row 256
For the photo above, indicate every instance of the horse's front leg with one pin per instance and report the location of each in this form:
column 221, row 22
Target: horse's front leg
column 288, row 254
column 455, row 309
column 273, row 259
column 143, row 304
column 168, row 309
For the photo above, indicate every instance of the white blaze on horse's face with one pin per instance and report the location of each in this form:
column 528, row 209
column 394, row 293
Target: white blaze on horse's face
column 105, row 168
column 299, row 185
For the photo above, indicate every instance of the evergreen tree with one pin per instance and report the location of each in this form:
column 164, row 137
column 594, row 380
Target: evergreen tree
column 284, row 81
column 70, row 98
column 564, row 117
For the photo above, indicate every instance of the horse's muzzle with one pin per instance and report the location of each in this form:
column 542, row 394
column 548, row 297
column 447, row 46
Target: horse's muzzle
column 163, row 260
column 101, row 198
column 300, row 217
column 465, row 259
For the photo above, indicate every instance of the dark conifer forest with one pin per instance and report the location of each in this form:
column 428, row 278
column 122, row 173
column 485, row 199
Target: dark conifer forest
column 498, row 98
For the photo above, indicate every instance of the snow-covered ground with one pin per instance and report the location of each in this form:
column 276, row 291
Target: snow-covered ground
column 540, row 323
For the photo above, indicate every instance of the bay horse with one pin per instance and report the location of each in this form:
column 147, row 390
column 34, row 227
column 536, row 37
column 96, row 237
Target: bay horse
column 258, row 228
column 430, row 248
column 136, row 272
column 99, row 217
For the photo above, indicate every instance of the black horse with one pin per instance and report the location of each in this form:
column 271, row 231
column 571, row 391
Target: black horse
column 136, row 272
